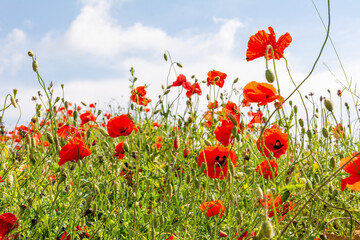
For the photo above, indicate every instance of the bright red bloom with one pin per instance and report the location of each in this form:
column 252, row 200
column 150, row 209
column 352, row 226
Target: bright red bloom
column 69, row 131
column 338, row 131
column 264, row 169
column 87, row 117
column 261, row 93
column 179, row 80
column 232, row 108
column 276, row 204
column 120, row 126
column 216, row 159
column 119, row 149
column 74, row 150
column 213, row 208
column 8, row 222
column 172, row 237
column 353, row 168
column 220, row 78
column 223, row 132
column 186, row 152
column 138, row 96
column 213, row 105
column 1, row 180
column 195, row 88
column 156, row 124
column 65, row 236
column 258, row 43
column 274, row 140
column 92, row 105
column 257, row 117
column 158, row 145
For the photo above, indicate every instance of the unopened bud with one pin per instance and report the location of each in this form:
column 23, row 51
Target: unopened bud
column 332, row 162
column 30, row 53
column 295, row 109
column 232, row 119
column 328, row 105
column 267, row 230
column 126, row 146
column 179, row 65
column 103, row 132
column 9, row 180
column 325, row 132
column 269, row 76
column 202, row 167
column 259, row 194
column 207, row 142
column 35, row 65
column 75, row 115
column 285, row 196
column 13, row 101
column 301, row 122
column 236, row 80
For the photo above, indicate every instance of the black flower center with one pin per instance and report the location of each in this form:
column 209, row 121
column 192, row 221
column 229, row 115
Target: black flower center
column 278, row 145
column 221, row 160
column 123, row 131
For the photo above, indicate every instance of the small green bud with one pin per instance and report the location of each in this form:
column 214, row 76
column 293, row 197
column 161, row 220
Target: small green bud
column 179, row 65
column 332, row 162
column 334, row 193
column 30, row 53
column 301, row 122
column 309, row 133
column 202, row 167
column 267, row 230
column 269, row 76
column 126, row 147
column 285, row 196
column 165, row 57
column 103, row 132
column 325, row 132
column 236, row 80
column 35, row 65
column 295, row 109
column 13, row 101
column 232, row 119
column 75, row 115
column 207, row 142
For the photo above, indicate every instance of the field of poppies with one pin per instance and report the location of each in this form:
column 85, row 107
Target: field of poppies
column 246, row 167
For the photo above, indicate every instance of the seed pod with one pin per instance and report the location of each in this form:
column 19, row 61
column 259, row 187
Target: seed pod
column 232, row 119
column 269, row 76
column 30, row 53
column 295, row 109
column 179, row 65
column 267, row 230
column 328, row 105
column 236, row 80
column 165, row 57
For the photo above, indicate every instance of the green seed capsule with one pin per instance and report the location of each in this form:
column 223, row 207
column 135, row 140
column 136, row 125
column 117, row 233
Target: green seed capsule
column 202, row 167
column 267, row 229
column 332, row 162
column 207, row 142
column 301, row 122
column 269, row 76
column 285, row 196
column 328, row 105
column 325, row 132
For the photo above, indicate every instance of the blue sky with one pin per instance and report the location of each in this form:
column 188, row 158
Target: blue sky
column 90, row 45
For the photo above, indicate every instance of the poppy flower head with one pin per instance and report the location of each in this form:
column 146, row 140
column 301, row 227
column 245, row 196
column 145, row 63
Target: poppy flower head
column 265, row 170
column 261, row 40
column 213, row 208
column 216, row 78
column 179, row 80
column 213, row 105
column 223, row 132
column 273, row 140
column 216, row 159
column 261, row 93
column 195, row 88
column 120, row 150
column 138, row 96
column 87, row 117
column 8, row 222
column 120, row 126
column 353, row 168
column 74, row 150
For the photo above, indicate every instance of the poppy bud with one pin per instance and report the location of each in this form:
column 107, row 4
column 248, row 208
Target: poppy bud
column 259, row 194
column 96, row 189
column 66, row 105
column 325, row 132
column 157, row 111
column 269, row 76
column 207, row 142
column 9, row 180
column 222, row 234
column 334, row 194
column 75, row 115
column 88, row 201
column 207, row 97
column 309, row 133
column 295, row 109
column 188, row 103
column 328, row 105
column 166, row 92
column 179, row 65
column 35, row 65
column 332, row 162
column 236, row 80
column 285, row 196
column 13, row 101
column 103, row 132
column 33, row 143
column 232, row 119
column 165, row 57
column 302, row 131
column 30, row 53
column 267, row 230
column 231, row 168
column 190, row 119
column 239, row 218
column 317, row 178
column 331, row 188
column 188, row 179
column 301, row 122
column 202, row 167
column 229, row 176
column 126, row 146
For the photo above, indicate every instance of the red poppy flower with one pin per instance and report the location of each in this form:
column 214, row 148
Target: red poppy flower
column 87, row 117
column 264, row 169
column 1, row 180
column 353, row 168
column 213, row 105
column 338, row 131
column 223, row 132
column 158, row 145
column 258, row 43
column 274, row 140
column 65, row 236
column 276, row 204
column 119, row 149
column 74, row 150
column 216, row 78
column 8, row 222
column 120, row 126
column 138, row 96
column 216, row 159
column 179, row 80
column 186, row 152
column 245, row 235
column 83, row 234
column 261, row 93
column 257, row 117
column 231, row 108
column 195, row 88
column 69, row 131
column 156, row 124
column 213, row 208
column 92, row 105
column 173, row 237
